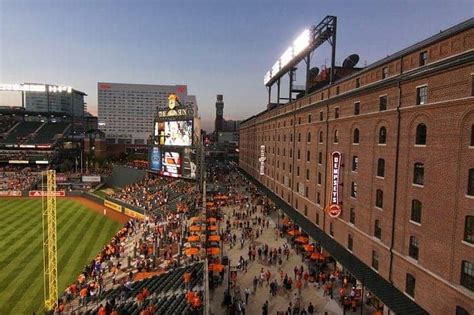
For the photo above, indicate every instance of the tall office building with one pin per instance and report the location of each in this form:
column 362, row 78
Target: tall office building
column 67, row 101
column 126, row 111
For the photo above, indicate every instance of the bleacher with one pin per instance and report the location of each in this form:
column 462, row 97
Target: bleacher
column 21, row 131
column 48, row 131
column 167, row 292
column 6, row 123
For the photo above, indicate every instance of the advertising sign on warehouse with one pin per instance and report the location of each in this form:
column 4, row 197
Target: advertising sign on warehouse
column 334, row 209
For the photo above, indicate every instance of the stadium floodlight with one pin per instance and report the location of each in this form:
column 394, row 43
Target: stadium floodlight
column 301, row 42
column 286, row 57
column 267, row 77
column 276, row 68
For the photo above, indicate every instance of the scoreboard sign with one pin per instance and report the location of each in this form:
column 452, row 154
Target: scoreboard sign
column 334, row 208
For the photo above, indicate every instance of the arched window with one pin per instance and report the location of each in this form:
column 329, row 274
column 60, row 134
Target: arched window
column 320, row 137
column 356, row 136
column 379, row 198
column 299, row 137
column 382, row 135
column 336, row 136
column 381, row 168
column 418, row 173
column 308, row 137
column 420, row 134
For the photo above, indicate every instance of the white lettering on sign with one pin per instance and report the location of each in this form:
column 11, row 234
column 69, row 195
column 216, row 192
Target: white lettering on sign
column 336, row 164
column 262, row 160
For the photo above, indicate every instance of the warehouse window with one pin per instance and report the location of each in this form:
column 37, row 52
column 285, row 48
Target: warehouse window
column 420, row 138
column 352, row 216
column 413, row 248
column 467, row 275
column 383, row 103
column 331, row 229
column 297, row 171
column 469, row 229
column 336, row 112
column 421, row 95
column 299, row 120
column 317, row 218
column 379, row 198
column 337, row 90
column 350, row 242
column 291, row 137
column 384, row 72
column 305, row 210
column 357, row 82
column 472, row 136
column 416, row 208
column 470, row 182
column 320, row 158
column 461, row 311
column 320, row 137
column 377, row 229
column 423, row 58
column 356, row 108
column 355, row 163
column 375, row 260
column 318, row 198
column 355, row 139
column 321, row 115
column 299, row 154
column 307, row 174
column 382, row 135
column 308, row 156
column 336, row 136
column 306, row 192
column 291, row 152
column 418, row 174
column 410, row 285
column 309, row 118
column 319, row 178
column 308, row 137
column 299, row 137
column 381, row 168
column 354, row 189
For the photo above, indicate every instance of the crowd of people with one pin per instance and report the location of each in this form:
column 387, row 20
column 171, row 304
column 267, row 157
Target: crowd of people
column 18, row 180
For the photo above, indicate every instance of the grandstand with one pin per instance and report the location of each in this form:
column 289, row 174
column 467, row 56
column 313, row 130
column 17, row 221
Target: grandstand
column 49, row 133
column 21, row 131
column 167, row 293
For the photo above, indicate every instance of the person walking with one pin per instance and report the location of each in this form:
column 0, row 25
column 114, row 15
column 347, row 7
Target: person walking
column 310, row 308
column 247, row 293
column 265, row 308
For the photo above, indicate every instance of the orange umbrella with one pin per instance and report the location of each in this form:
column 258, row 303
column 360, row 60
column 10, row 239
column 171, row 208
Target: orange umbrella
column 212, row 227
column 308, row 248
column 216, row 267
column 294, row 232
column 193, row 238
column 195, row 228
column 301, row 239
column 213, row 251
column 317, row 256
column 211, row 219
column 214, row 238
column 191, row 251
column 195, row 219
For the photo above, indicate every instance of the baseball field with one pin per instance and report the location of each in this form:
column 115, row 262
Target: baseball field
column 81, row 233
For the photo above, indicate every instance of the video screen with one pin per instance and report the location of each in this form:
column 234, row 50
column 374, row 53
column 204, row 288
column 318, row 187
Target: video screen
column 189, row 163
column 154, row 158
column 159, row 133
column 171, row 164
column 178, row 133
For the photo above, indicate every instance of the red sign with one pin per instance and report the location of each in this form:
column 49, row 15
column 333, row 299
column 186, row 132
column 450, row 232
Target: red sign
column 334, row 211
column 10, row 193
column 104, row 86
column 40, row 193
column 181, row 89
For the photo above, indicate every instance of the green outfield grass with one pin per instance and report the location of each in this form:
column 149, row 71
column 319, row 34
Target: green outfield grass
column 81, row 234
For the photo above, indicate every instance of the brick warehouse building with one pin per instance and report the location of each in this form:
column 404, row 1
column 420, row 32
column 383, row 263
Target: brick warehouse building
column 405, row 128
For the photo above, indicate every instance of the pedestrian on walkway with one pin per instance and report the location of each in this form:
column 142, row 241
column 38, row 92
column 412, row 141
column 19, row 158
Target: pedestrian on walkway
column 247, row 293
column 310, row 308
column 265, row 308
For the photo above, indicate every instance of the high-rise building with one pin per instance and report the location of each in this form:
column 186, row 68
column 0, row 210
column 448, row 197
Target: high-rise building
column 69, row 101
column 219, row 122
column 126, row 111
column 378, row 167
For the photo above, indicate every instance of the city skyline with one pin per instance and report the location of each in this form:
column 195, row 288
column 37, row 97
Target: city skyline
column 214, row 47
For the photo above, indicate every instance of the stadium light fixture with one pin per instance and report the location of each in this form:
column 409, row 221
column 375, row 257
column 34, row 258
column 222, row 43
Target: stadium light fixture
column 301, row 42
column 286, row 57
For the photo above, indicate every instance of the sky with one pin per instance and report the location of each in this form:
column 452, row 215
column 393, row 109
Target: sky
column 213, row 46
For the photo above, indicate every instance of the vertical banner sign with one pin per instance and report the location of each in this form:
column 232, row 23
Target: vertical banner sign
column 334, row 209
column 262, row 160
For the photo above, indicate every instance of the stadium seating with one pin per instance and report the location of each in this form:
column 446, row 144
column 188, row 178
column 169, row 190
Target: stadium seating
column 21, row 131
column 48, row 131
column 167, row 292
column 7, row 122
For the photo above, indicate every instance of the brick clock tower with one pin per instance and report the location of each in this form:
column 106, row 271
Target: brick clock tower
column 219, row 122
